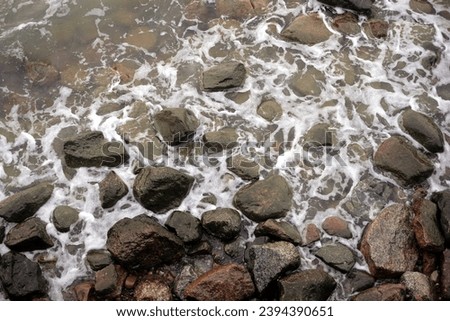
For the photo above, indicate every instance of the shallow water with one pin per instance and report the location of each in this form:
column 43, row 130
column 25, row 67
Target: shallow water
column 363, row 84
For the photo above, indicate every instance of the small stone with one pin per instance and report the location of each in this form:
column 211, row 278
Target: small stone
column 384, row 292
column 338, row 256
column 280, row 231
column 320, row 135
column 312, row 234
column 307, row 29
column 83, row 290
column 335, row 225
column 270, row 110
column 200, row 248
column 357, row 281
column 346, row 23
column 185, row 225
column 308, row 285
column 41, row 74
column 224, row 223
column 426, row 228
column 142, row 37
column 29, row 235
column 130, row 281
column 443, row 91
column 64, row 217
column 376, row 28
column 152, row 289
column 98, row 259
column 209, row 198
column 307, row 83
column 422, row 6
column 220, row 140
column 176, row 125
column 243, row 167
column 106, row 280
column 418, row 285
column 111, row 190
column 224, row 76
column 236, row 9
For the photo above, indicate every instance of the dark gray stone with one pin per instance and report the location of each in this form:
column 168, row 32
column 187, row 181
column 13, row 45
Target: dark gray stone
column 98, row 259
column 220, row 140
column 176, row 125
column 111, row 190
column 63, row 217
column 338, row 256
column 186, row 226
column 442, row 200
column 91, row 149
column 280, row 231
column 19, row 206
column 29, row 235
column 423, row 129
column 160, row 189
column 106, row 280
column 224, row 76
column 308, row 285
column 243, row 167
column 224, row 223
column 357, row 5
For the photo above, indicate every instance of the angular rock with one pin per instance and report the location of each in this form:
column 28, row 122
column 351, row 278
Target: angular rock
column 176, row 125
column 91, row 149
column 142, row 243
column 388, row 243
column 63, row 217
column 357, row 5
column 312, row 234
column 307, row 29
column 152, row 289
column 269, row 261
column 264, row 199
column 418, row 285
column 426, row 227
column 422, row 6
column 357, row 281
column 335, row 225
column 224, row 223
column 21, row 278
column 397, row 156
column 383, row 292
column 230, row 282
column 444, row 275
column 98, row 259
column 222, row 139
column 308, row 285
column 270, row 110
column 29, row 235
column 160, row 189
column 111, row 189
column 106, row 280
column 376, row 28
column 423, row 129
column 21, row 205
column 442, row 200
column 186, row 226
column 280, row 231
column 338, row 256
column 224, row 76
column 245, row 168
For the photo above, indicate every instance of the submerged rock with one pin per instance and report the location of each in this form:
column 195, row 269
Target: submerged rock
column 111, row 190
column 176, row 125
column 357, row 5
column 236, row 9
column 307, row 83
column 224, row 223
column 376, row 28
column 29, row 235
column 307, row 29
column 383, row 292
column 222, row 139
column 320, row 135
column 346, row 24
column 142, row 243
column 160, row 189
column 186, row 226
column 443, row 91
column 338, row 256
column 308, row 285
column 442, row 200
column 224, row 76
column 281, row 231
column 63, row 217
column 270, row 110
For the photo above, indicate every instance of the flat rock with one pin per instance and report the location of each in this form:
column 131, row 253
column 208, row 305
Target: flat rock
column 397, row 156
column 220, row 140
column 142, row 243
column 307, row 82
column 91, row 149
column 21, row 278
column 320, row 135
column 423, row 129
column 243, row 167
column 30, row 235
column 383, row 292
column 357, row 5
column 264, row 199
column 160, row 189
column 418, row 286
column 224, row 76
column 270, row 110
column 269, row 261
column 106, row 280
column 308, row 285
column 311, row 234
column 307, row 29
column 346, row 23
column 21, row 205
column 422, row 6
column 338, row 256
column 426, row 226
column 64, row 217
column 223, row 223
column 111, row 190
column 279, row 230
column 98, row 259
column 176, row 125
column 152, row 289
column 388, row 243
column 230, row 282
column 444, row 275
column 334, row 225
column 186, row 226
column 442, row 200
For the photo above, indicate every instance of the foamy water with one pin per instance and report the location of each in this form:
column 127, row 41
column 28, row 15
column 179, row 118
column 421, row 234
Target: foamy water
column 88, row 38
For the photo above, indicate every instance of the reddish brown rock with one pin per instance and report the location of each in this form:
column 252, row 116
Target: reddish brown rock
column 376, row 28
column 312, row 234
column 430, row 262
column 346, row 23
column 426, row 228
column 384, row 292
column 152, row 289
column 223, row 283
column 335, row 225
column 83, row 290
column 388, row 243
column 444, row 276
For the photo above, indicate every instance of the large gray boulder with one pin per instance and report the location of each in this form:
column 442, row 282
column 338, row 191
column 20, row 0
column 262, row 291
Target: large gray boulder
column 224, row 76
column 176, row 125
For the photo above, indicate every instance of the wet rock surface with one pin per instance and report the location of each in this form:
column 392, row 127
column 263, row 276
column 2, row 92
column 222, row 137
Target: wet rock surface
column 308, row 285
column 224, row 76
column 64, row 217
column 270, row 110
column 426, row 227
column 335, row 225
column 442, row 200
column 307, row 29
column 152, row 289
column 98, row 259
column 222, row 139
column 111, row 189
column 224, row 223
column 176, row 125
column 358, row 281
column 357, row 5
column 279, row 230
column 338, row 256
column 186, row 226
column 106, row 280
column 384, row 292
column 243, row 167
column 29, row 235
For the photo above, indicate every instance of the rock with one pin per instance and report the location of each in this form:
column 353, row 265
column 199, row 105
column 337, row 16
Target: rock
column 269, row 261
column 388, row 243
column 176, row 125
column 426, row 227
column 245, row 168
column 376, row 28
column 143, row 243
column 307, row 29
column 224, row 76
column 106, row 280
column 307, row 83
column 111, row 190
column 19, row 206
column 422, row 6
column 335, row 225
column 209, row 198
column 21, row 278
column 357, row 5
column 357, row 281
column 235, row 9
column 63, row 217
column 442, row 200
column 270, row 110
column 217, row 141
column 91, row 149
column 30, row 235
column 312, row 234
column 197, row 9
column 443, row 91
column 346, row 23
column 98, row 259
column 308, row 285
column 383, row 292
column 2, row 233
column 320, row 135
column 230, row 282
column 160, row 189
column 108, row 108
column 397, row 156
column 418, row 285
column 223, row 223
column 152, row 289
column 422, row 129
column 185, row 225
column 281, row 231
column 41, row 74
column 142, row 37
column 264, row 199
column 338, row 256
column 83, row 290
column 200, row 248
column 444, row 275
column 130, row 281
column 186, row 276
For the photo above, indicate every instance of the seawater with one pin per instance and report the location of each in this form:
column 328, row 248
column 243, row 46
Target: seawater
column 365, row 84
